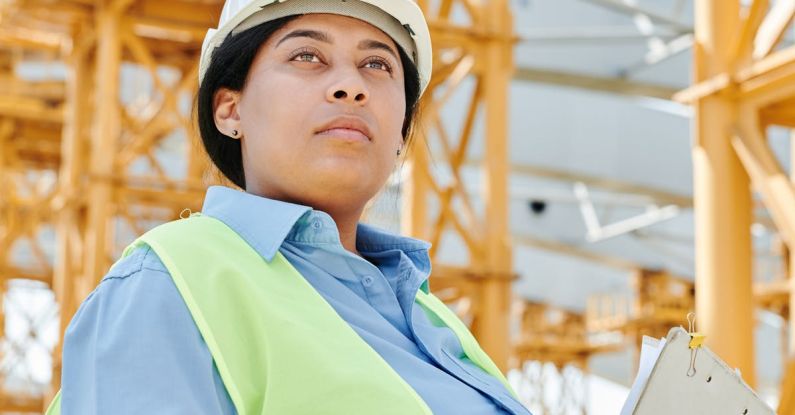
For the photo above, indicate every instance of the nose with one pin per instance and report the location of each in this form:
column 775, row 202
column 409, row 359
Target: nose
column 349, row 88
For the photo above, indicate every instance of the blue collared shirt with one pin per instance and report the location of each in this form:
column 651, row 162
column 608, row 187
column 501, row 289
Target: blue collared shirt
column 133, row 348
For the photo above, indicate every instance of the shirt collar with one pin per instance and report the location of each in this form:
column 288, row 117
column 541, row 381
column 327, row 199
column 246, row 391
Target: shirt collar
column 371, row 239
column 263, row 223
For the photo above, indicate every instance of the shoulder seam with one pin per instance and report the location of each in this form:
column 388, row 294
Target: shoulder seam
column 146, row 251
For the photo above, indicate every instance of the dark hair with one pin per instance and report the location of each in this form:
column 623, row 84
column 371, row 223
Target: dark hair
column 229, row 68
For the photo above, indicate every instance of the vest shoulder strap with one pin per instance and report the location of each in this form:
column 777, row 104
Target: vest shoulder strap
column 435, row 307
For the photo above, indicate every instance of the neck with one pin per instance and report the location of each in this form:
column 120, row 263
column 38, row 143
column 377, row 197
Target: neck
column 346, row 225
column 346, row 218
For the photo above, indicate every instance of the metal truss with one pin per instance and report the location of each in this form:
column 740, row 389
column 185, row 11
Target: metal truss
column 745, row 83
column 87, row 164
column 31, row 122
column 472, row 62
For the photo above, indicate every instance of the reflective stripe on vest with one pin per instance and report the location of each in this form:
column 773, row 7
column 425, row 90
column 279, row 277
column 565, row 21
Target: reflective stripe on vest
column 278, row 345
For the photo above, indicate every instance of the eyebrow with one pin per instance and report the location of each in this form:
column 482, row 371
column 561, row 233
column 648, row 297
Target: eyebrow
column 312, row 34
column 325, row 38
column 374, row 44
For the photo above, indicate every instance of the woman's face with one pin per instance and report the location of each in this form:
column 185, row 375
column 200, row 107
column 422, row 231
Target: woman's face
column 321, row 114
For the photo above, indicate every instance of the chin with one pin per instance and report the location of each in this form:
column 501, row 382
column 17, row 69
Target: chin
column 345, row 183
column 347, row 172
column 343, row 168
column 341, row 182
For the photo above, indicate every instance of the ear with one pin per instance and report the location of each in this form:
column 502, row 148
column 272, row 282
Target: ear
column 226, row 114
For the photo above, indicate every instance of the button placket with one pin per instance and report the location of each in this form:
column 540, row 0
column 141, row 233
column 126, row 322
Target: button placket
column 497, row 392
column 367, row 280
column 464, row 370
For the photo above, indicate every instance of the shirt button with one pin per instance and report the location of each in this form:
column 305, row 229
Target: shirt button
column 316, row 224
column 367, row 281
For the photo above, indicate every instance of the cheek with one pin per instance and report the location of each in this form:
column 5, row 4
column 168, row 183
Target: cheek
column 392, row 139
column 392, row 108
column 269, row 114
column 262, row 107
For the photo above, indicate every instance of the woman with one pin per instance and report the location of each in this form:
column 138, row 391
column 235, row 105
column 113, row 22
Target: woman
column 276, row 300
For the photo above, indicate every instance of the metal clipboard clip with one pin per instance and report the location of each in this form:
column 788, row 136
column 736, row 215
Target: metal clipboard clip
column 696, row 341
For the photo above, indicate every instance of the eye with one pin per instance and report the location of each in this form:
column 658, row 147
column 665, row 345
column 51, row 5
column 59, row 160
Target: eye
column 306, row 55
column 376, row 62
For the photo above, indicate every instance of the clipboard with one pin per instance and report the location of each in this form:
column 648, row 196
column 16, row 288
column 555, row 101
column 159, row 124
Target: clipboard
column 714, row 388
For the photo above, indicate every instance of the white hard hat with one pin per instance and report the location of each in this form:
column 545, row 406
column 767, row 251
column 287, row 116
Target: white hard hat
column 402, row 20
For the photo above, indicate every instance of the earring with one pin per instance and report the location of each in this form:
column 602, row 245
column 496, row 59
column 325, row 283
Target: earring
column 398, row 152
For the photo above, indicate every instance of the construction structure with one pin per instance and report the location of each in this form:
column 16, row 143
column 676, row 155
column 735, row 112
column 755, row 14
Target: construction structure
column 744, row 85
column 108, row 177
column 87, row 163
column 475, row 48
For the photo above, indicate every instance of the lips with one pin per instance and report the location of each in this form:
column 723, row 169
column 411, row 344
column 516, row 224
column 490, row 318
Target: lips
column 347, row 127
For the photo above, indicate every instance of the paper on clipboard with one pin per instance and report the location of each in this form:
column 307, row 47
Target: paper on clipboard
column 649, row 352
column 667, row 389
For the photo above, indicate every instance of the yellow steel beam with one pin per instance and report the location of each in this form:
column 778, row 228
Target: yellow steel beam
column 480, row 50
column 498, row 61
column 177, row 31
column 68, row 244
column 22, row 38
column 35, row 109
column 20, row 403
column 769, row 87
column 772, row 27
column 45, row 90
column 772, row 64
column 760, row 82
column 743, row 45
column 722, row 199
column 787, row 390
column 27, row 274
column 6, row 206
column 104, row 142
column 767, row 175
column 185, row 12
column 786, row 404
column 782, row 114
